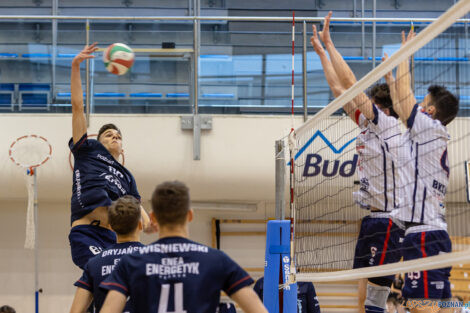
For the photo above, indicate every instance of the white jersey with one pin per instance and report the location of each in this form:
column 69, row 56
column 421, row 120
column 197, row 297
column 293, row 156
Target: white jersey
column 376, row 146
column 425, row 147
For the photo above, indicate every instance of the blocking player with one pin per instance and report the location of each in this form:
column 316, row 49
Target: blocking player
column 175, row 274
column 379, row 237
column 307, row 300
column 125, row 219
column 98, row 178
column 426, row 144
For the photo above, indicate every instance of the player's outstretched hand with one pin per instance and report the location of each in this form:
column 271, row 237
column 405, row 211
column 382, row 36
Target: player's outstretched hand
column 316, row 42
column 325, row 33
column 406, row 38
column 85, row 54
column 389, row 75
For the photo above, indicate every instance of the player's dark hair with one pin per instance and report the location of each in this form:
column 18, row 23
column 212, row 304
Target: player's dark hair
column 170, row 203
column 7, row 309
column 124, row 215
column 105, row 128
column 446, row 104
column 380, row 94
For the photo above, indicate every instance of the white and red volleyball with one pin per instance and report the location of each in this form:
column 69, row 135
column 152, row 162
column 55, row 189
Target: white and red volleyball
column 118, row 58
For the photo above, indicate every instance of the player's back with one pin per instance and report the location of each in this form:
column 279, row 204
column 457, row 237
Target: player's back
column 176, row 274
column 101, row 266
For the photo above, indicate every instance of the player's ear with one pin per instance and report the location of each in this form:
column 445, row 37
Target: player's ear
column 190, row 215
column 140, row 226
column 431, row 109
column 153, row 219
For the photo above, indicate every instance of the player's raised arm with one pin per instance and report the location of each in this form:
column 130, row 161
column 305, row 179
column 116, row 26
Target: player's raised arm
column 78, row 118
column 343, row 71
column 330, row 74
column 81, row 301
column 248, row 300
column 406, row 99
column 114, row 303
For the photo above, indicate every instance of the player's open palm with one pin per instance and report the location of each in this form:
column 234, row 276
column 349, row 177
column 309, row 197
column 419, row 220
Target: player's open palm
column 85, row 54
column 316, row 42
column 325, row 33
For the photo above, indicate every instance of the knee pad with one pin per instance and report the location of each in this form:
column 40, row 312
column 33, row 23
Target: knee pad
column 377, row 297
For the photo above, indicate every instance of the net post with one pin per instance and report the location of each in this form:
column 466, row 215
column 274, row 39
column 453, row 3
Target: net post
column 280, row 179
column 276, row 289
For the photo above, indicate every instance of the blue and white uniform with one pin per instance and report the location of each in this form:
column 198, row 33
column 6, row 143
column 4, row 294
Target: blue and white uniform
column 100, row 267
column 426, row 234
column 98, row 179
column 175, row 274
column 377, row 145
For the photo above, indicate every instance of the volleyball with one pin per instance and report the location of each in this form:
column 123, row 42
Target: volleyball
column 118, row 58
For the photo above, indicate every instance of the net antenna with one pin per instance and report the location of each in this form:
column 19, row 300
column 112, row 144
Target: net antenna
column 344, row 218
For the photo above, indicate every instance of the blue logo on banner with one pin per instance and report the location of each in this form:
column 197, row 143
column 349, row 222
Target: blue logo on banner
column 313, row 161
column 325, row 140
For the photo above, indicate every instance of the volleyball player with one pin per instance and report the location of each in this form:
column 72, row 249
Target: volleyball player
column 379, row 237
column 426, row 141
column 125, row 220
column 98, row 178
column 175, row 274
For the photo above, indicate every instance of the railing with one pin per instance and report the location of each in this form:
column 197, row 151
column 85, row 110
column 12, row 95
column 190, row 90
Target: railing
column 261, row 87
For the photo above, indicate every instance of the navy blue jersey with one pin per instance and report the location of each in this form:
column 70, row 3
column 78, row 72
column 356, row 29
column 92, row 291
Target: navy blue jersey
column 98, row 179
column 307, row 301
column 175, row 274
column 100, row 267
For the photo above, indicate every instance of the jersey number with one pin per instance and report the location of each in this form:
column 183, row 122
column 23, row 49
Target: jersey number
column 414, row 275
column 165, row 295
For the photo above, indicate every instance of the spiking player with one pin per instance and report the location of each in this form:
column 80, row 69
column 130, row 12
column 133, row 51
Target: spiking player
column 125, row 219
column 426, row 147
column 175, row 274
column 379, row 237
column 98, row 178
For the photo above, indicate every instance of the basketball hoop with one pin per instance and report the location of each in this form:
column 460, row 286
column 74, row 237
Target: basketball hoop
column 93, row 135
column 30, row 152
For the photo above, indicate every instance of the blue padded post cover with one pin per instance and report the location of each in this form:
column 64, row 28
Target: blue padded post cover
column 277, row 251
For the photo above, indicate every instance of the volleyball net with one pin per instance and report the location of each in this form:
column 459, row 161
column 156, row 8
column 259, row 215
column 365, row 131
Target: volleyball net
column 331, row 197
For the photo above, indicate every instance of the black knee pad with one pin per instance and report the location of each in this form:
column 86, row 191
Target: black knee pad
column 381, row 281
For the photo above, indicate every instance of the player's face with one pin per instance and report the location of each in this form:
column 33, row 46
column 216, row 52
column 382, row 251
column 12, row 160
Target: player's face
column 112, row 141
column 381, row 108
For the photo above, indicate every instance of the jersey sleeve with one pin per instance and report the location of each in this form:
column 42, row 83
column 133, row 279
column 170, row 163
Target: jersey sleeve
column 235, row 277
column 82, row 144
column 383, row 125
column 361, row 120
column 86, row 281
column 424, row 128
column 119, row 279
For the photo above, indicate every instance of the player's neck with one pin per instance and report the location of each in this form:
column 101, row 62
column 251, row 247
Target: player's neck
column 173, row 232
column 128, row 238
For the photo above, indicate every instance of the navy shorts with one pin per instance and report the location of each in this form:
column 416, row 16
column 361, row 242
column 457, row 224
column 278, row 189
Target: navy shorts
column 432, row 284
column 87, row 241
column 379, row 242
column 226, row 308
